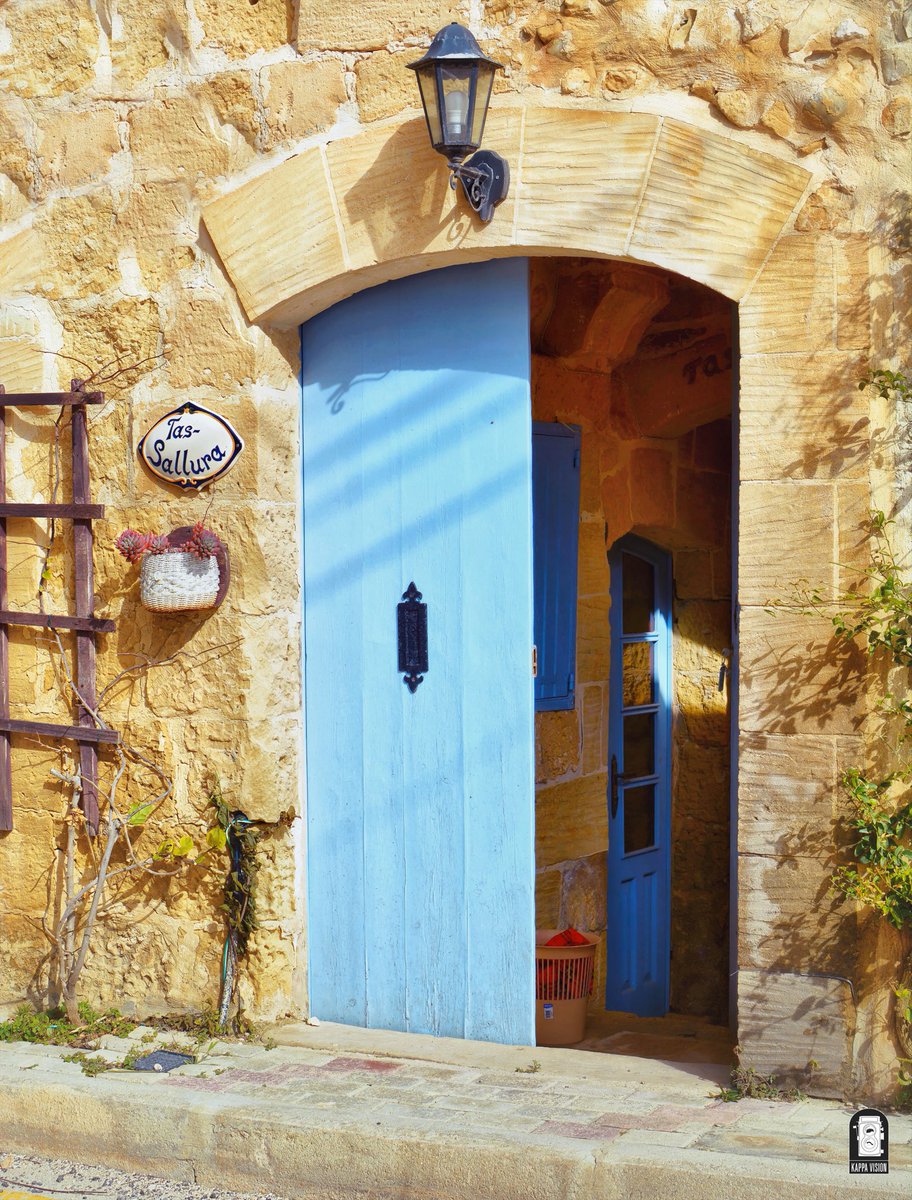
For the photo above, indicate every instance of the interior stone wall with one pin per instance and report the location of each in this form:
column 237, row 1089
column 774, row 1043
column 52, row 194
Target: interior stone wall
column 604, row 363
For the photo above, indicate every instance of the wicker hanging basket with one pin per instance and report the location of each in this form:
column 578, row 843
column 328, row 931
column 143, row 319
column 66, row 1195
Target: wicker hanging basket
column 178, row 582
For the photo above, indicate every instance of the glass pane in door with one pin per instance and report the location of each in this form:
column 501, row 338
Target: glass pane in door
column 639, row 744
column 639, row 818
column 638, row 675
column 638, row 594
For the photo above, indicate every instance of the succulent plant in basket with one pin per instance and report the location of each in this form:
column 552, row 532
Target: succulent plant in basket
column 174, row 577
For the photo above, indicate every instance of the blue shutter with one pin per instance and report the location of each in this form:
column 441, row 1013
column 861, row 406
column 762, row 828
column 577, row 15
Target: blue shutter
column 555, row 525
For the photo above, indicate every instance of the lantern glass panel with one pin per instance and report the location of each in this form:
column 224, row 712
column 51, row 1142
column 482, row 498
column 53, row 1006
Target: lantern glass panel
column 482, row 99
column 427, row 83
column 456, row 85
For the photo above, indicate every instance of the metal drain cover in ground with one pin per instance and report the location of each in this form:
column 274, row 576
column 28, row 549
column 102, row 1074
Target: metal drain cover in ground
column 162, row 1060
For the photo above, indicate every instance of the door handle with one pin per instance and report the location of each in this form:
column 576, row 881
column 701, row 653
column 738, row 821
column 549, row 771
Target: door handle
column 617, row 778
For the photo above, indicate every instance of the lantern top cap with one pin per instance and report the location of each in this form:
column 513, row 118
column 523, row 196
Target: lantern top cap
column 453, row 44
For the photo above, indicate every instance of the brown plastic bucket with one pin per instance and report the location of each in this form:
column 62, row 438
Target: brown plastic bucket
column 563, row 985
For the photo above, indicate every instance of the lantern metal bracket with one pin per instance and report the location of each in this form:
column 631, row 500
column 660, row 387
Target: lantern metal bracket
column 485, row 180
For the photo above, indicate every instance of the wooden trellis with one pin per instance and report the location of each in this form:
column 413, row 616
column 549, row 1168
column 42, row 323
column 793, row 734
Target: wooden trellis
column 84, row 623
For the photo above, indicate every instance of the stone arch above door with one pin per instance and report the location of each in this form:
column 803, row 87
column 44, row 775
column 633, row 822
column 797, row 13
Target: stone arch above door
column 625, row 185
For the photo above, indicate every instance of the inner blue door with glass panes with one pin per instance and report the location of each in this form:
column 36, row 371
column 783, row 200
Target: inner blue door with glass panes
column 639, row 787
column 420, row 804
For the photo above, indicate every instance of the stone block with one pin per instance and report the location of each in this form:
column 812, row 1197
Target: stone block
column 788, row 918
column 81, row 243
column 792, row 303
column 724, row 248
column 21, row 365
column 234, row 102
column 161, row 223
column 853, row 292
column 896, row 117
column 301, row 98
column 592, row 575
column 180, row 138
column 786, row 536
column 252, row 238
column 652, row 488
column 583, row 173
column 383, row 84
column 854, row 504
column 557, row 744
column 571, row 820
column 803, row 417
column 146, row 38
column 278, row 439
column 616, row 505
column 240, row 28
column 585, row 894
column 693, row 574
column 595, row 728
column 17, row 137
column 712, row 449
column 673, row 393
column 51, row 47
column 796, row 678
column 276, row 900
column 829, row 207
column 702, row 796
column 547, row 899
column 722, row 570
column 206, row 343
column 77, row 147
column 787, row 1020
column 22, row 262
column 702, row 508
column 701, row 707
column 593, row 639
column 325, row 25
column 28, row 860
column 786, row 791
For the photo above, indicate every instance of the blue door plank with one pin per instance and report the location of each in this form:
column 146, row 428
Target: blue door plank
column 555, row 501
column 339, row 947
column 417, row 466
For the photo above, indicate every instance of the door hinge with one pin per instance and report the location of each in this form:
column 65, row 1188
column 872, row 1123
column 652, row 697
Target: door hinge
column 571, row 679
column 535, row 662
column 576, row 459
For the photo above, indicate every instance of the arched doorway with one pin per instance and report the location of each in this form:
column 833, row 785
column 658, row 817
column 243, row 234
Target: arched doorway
column 644, row 188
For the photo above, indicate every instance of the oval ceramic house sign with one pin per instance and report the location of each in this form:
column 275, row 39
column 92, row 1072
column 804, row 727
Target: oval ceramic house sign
column 190, row 446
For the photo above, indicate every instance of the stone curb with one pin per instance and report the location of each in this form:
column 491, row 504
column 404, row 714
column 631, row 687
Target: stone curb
column 242, row 1143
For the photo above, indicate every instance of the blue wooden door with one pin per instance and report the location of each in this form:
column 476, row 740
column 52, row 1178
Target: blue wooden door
column 639, row 789
column 417, row 467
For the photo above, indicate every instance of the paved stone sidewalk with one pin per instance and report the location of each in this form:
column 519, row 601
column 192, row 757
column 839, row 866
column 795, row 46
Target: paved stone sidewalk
column 325, row 1119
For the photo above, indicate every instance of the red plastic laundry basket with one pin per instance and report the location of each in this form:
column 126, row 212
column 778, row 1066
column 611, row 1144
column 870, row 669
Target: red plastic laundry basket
column 563, row 985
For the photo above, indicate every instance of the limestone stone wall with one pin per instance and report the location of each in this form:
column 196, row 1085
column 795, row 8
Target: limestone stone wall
column 119, row 121
column 761, row 147
column 634, row 357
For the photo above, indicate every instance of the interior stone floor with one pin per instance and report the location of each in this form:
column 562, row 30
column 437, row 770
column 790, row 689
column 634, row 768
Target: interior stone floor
column 672, row 1038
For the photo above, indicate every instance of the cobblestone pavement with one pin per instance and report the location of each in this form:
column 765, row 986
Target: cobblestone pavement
column 607, row 1109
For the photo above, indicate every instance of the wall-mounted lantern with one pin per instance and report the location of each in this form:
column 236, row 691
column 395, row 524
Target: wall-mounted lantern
column 455, row 80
